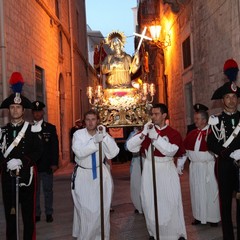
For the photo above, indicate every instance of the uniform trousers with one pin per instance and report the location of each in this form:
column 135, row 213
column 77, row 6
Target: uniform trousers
column 227, row 175
column 45, row 180
column 27, row 196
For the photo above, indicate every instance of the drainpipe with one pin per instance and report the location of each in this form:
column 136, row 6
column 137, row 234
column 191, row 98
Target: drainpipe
column 3, row 51
column 72, row 62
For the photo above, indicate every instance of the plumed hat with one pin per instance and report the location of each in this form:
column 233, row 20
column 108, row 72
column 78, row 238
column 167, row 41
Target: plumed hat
column 16, row 82
column 226, row 88
column 230, row 69
column 230, row 63
column 38, row 106
column 199, row 107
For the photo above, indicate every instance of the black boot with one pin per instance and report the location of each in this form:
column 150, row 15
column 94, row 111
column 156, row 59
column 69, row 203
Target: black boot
column 49, row 218
column 196, row 222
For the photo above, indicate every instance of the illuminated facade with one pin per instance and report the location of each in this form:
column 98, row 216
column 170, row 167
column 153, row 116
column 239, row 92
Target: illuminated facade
column 203, row 35
column 46, row 41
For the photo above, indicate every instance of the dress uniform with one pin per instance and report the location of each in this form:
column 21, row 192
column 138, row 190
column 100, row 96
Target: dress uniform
column 223, row 140
column 20, row 149
column 48, row 161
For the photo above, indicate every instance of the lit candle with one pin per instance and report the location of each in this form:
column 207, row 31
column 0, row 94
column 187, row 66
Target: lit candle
column 90, row 92
column 99, row 91
column 152, row 89
column 145, row 88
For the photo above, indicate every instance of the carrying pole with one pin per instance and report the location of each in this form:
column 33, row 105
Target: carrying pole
column 155, row 192
column 101, row 189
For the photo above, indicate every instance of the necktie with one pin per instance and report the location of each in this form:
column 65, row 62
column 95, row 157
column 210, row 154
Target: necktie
column 200, row 135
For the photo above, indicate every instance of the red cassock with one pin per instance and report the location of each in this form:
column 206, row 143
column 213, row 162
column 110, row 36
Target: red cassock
column 172, row 136
column 191, row 138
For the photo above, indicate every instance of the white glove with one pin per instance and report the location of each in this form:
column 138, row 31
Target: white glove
column 152, row 133
column 101, row 129
column 146, row 128
column 98, row 137
column 235, row 155
column 180, row 164
column 14, row 164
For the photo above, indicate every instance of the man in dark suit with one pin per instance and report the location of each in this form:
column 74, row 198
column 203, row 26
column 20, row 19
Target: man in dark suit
column 48, row 163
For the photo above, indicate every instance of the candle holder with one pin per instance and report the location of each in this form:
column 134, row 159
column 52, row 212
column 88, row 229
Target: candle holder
column 120, row 107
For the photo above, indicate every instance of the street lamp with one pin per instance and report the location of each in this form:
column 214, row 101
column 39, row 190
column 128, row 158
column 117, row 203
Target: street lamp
column 155, row 31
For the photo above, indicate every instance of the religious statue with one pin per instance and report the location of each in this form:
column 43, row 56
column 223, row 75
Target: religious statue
column 118, row 66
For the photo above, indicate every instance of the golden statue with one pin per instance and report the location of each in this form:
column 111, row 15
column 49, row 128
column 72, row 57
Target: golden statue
column 119, row 65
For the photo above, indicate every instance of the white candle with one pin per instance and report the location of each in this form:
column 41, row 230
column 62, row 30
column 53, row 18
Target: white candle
column 152, row 89
column 145, row 88
column 90, row 92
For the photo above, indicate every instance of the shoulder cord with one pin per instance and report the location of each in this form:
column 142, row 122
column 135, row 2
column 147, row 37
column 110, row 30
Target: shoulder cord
column 4, row 144
column 30, row 179
column 219, row 133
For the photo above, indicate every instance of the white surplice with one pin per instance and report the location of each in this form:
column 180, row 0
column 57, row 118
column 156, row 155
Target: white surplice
column 203, row 183
column 135, row 182
column 86, row 195
column 170, row 209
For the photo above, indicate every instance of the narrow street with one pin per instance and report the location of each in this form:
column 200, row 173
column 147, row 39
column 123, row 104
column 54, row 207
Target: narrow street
column 125, row 224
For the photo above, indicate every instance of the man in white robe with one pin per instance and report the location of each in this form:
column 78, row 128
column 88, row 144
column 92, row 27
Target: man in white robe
column 136, row 175
column 167, row 143
column 203, row 183
column 86, row 184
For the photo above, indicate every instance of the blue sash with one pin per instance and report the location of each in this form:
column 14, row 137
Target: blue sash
column 94, row 166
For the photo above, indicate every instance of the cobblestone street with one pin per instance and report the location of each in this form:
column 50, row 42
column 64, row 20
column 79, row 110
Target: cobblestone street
column 125, row 224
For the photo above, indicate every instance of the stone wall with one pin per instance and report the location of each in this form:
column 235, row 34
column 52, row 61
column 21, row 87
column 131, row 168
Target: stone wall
column 32, row 38
column 213, row 27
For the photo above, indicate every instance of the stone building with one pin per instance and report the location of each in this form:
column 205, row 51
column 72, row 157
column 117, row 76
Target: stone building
column 46, row 41
column 203, row 34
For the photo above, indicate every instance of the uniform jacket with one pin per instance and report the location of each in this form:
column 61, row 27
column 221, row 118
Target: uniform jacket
column 28, row 150
column 215, row 145
column 50, row 154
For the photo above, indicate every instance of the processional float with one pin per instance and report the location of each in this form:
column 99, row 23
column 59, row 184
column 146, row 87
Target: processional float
column 122, row 105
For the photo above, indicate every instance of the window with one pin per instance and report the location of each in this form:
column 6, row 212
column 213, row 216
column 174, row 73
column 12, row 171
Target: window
column 60, row 43
column 150, row 9
column 189, row 103
column 186, row 51
column 78, row 29
column 39, row 85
